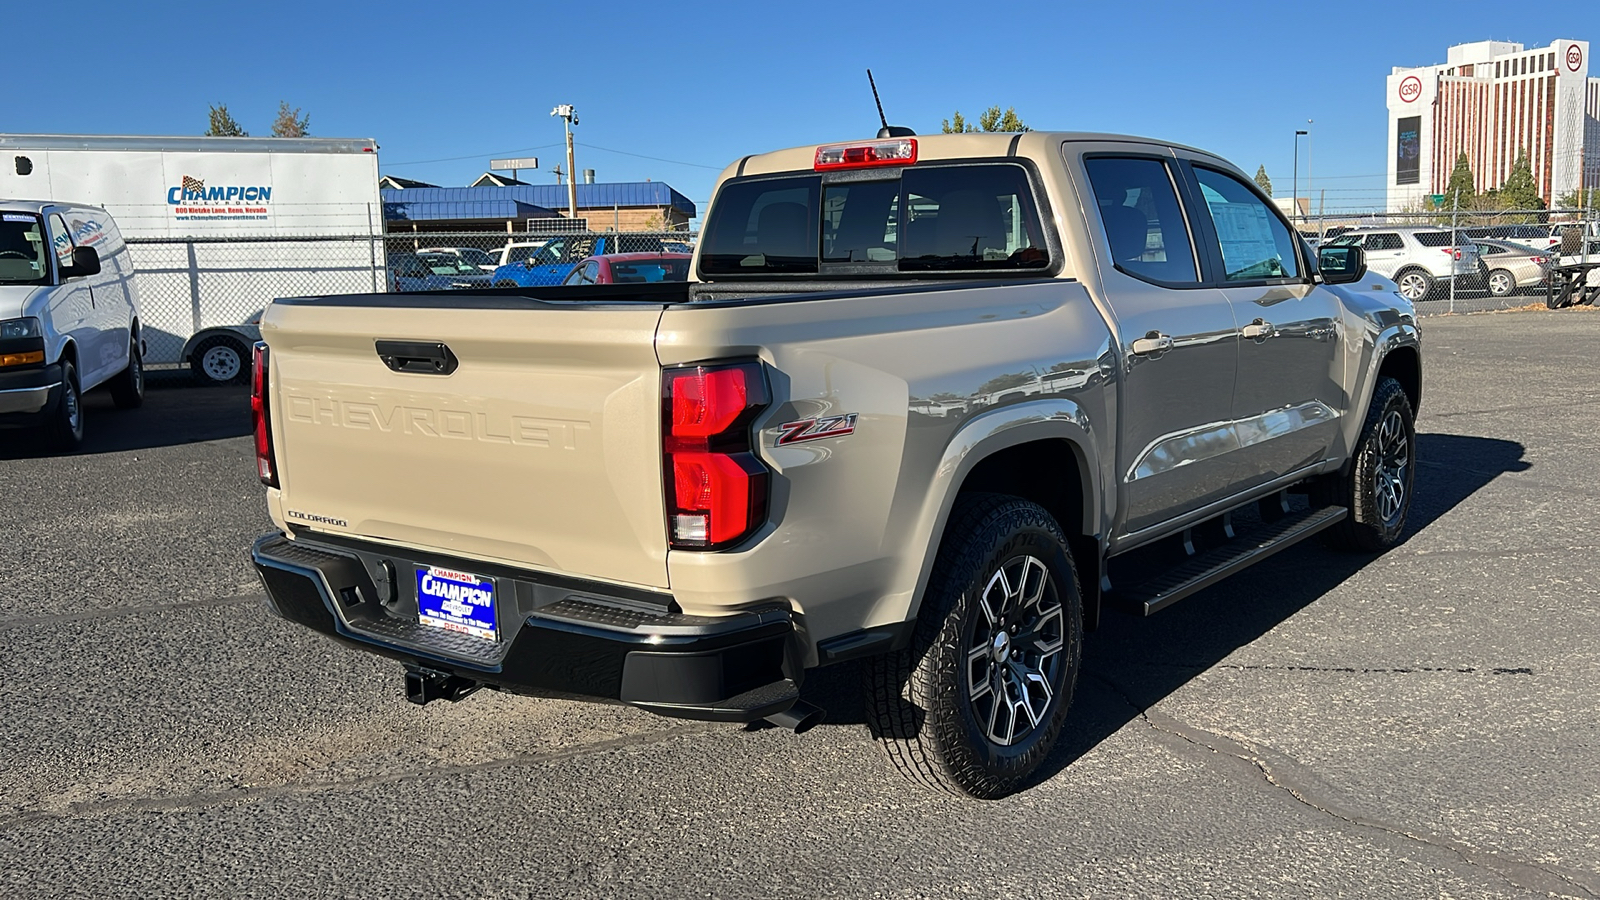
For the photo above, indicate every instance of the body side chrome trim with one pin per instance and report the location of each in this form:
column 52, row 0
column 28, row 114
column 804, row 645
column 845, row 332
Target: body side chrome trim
column 1213, row 439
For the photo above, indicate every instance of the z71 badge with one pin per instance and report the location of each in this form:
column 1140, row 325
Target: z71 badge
column 816, row 429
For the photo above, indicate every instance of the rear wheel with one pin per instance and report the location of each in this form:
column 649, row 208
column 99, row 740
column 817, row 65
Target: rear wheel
column 64, row 430
column 127, row 387
column 1502, row 283
column 220, row 360
column 974, row 705
column 1414, row 284
column 1377, row 490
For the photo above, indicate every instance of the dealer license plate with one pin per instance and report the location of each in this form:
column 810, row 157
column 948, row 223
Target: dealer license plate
column 456, row 601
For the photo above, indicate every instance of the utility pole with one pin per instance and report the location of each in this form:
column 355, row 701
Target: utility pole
column 569, row 117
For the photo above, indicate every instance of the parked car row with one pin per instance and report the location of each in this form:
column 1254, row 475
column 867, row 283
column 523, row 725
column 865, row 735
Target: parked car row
column 1424, row 259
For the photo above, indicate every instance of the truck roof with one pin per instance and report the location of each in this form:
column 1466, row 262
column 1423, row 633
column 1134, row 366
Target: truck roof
column 185, row 143
column 943, row 146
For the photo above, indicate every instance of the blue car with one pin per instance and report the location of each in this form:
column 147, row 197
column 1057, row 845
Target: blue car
column 560, row 255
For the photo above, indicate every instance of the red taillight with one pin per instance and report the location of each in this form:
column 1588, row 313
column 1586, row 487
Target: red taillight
column 716, row 488
column 1540, row 260
column 897, row 152
column 266, row 467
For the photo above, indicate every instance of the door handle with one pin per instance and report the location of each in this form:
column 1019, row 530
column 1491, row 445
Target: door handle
column 1259, row 330
column 1153, row 342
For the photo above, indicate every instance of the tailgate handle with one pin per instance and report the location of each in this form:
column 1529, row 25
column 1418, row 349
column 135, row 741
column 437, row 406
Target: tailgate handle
column 417, row 357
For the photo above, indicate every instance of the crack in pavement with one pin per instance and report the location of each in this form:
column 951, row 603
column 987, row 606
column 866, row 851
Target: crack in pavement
column 1285, row 774
column 87, row 809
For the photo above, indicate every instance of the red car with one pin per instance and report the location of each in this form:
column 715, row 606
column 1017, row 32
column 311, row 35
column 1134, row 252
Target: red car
column 631, row 268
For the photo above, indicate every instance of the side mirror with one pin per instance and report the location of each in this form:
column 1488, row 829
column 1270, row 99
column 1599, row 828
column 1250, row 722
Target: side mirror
column 85, row 261
column 1341, row 265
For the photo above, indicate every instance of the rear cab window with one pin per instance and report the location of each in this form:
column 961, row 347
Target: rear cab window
column 938, row 218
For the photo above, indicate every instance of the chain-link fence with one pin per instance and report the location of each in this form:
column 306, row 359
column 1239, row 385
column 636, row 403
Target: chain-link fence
column 188, row 284
column 1500, row 259
column 1474, row 260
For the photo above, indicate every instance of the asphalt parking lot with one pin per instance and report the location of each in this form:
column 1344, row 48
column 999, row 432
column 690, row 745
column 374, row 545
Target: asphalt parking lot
column 1422, row 724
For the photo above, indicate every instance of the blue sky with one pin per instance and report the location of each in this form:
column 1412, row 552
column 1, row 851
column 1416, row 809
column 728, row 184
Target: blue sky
column 697, row 84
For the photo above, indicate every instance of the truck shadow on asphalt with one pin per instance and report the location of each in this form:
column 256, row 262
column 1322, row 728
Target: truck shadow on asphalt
column 1130, row 663
column 175, row 411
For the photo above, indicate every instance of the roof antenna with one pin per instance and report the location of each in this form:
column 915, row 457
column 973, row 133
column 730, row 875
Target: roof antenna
column 887, row 131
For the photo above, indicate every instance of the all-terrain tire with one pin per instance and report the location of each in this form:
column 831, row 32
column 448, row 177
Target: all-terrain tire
column 1382, row 478
column 933, row 717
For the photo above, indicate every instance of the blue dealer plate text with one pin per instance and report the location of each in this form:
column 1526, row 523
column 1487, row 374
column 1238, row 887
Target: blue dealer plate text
column 456, row 601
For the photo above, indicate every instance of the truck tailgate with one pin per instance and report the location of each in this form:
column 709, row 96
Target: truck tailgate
column 540, row 449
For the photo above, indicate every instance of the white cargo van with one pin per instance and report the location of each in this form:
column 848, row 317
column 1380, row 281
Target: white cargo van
column 69, row 317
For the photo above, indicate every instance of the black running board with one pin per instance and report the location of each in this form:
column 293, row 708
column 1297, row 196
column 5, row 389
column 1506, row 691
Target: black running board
column 1212, row 566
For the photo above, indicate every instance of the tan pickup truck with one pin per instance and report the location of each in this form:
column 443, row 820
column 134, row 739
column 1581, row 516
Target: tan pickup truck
column 921, row 399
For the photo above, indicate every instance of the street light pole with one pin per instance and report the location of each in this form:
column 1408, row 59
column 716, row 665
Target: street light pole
column 1311, row 146
column 1294, row 192
column 569, row 116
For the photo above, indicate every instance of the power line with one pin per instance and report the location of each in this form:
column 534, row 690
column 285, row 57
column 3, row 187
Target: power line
column 676, row 162
column 498, row 153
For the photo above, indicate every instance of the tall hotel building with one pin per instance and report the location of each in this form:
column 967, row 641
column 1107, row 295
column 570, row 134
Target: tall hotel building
column 1491, row 99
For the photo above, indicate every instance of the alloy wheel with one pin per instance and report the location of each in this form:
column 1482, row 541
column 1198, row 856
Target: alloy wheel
column 1413, row 286
column 1014, row 650
column 1500, row 284
column 1391, row 476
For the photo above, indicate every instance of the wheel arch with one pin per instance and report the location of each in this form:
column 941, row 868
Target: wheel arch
column 1004, row 451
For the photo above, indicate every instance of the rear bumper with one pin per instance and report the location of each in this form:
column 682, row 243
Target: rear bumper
column 26, row 395
column 559, row 637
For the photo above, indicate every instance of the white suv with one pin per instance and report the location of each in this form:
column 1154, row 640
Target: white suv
column 69, row 317
column 1420, row 259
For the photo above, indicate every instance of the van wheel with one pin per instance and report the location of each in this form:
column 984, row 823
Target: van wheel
column 220, row 360
column 127, row 387
column 1377, row 491
column 1415, row 284
column 974, row 705
column 1502, row 283
column 64, row 431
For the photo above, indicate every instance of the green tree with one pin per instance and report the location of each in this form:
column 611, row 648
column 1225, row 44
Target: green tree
column 991, row 119
column 1263, row 180
column 290, row 123
column 1461, row 184
column 1520, row 190
column 1575, row 199
column 223, row 124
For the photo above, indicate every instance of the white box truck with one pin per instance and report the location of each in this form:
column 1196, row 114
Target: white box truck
column 218, row 226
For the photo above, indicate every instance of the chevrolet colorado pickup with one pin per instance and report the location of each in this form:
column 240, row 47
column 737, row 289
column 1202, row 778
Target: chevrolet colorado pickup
column 920, row 399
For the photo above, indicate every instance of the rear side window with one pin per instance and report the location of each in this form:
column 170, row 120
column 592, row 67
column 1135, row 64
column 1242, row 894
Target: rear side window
column 1144, row 223
column 762, row 227
column 1432, row 238
column 929, row 219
